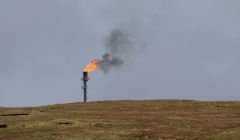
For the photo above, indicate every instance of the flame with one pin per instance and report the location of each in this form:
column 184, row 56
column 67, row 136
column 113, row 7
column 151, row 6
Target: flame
column 93, row 65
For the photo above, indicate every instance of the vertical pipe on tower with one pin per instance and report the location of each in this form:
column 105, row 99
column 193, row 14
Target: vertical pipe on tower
column 85, row 79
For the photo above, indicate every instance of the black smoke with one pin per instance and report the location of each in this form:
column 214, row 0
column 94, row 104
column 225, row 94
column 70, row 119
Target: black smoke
column 117, row 44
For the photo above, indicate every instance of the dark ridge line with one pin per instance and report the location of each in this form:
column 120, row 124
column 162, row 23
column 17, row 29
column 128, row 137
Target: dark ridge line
column 16, row 114
column 65, row 123
column 3, row 125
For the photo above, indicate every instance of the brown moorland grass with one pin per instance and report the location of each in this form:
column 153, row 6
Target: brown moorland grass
column 127, row 120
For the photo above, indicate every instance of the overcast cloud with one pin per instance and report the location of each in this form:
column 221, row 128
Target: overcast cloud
column 186, row 49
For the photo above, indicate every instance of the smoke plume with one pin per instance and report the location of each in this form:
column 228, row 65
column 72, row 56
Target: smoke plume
column 117, row 45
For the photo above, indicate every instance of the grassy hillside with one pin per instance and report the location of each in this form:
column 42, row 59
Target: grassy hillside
column 156, row 119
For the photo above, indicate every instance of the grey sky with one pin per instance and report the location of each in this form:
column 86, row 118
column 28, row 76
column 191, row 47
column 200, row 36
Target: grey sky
column 186, row 49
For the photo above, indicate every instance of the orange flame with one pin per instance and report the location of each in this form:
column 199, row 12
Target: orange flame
column 93, row 65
